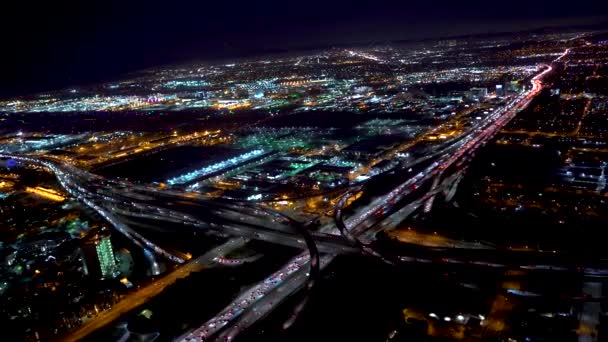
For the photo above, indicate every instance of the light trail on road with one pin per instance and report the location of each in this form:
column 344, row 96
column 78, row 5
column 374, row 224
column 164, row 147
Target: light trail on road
column 465, row 146
column 135, row 299
column 261, row 298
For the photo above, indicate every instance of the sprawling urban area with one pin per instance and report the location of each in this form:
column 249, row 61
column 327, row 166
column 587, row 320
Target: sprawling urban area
column 439, row 190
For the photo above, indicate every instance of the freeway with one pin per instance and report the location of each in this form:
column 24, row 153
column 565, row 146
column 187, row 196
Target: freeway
column 258, row 300
column 476, row 137
column 112, row 198
column 473, row 139
column 293, row 280
column 142, row 295
column 484, row 256
column 109, row 202
column 224, row 222
column 70, row 178
column 267, row 303
column 109, row 198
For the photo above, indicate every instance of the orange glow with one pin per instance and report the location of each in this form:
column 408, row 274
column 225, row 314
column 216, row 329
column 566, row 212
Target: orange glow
column 46, row 193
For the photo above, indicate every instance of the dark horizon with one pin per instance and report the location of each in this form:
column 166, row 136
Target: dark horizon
column 60, row 45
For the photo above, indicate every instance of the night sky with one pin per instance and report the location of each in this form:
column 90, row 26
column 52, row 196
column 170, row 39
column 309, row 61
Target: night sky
column 52, row 44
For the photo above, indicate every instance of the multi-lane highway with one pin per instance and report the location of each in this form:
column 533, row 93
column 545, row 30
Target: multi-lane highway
column 142, row 295
column 111, row 199
column 355, row 226
column 439, row 170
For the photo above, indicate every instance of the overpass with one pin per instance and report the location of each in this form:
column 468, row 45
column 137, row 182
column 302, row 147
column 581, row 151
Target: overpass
column 232, row 320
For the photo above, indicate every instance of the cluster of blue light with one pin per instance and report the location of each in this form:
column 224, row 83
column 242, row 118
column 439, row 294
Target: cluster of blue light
column 24, row 144
column 207, row 170
column 186, row 84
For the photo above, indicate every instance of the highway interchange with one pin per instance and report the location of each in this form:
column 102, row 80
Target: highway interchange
column 437, row 171
column 258, row 301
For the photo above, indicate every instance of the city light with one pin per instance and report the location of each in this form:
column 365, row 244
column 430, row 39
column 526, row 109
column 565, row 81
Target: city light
column 258, row 173
column 207, row 170
column 46, row 193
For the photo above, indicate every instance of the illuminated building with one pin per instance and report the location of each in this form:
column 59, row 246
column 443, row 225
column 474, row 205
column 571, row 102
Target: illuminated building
column 105, row 255
column 219, row 166
column 500, row 91
column 49, row 194
column 98, row 256
column 479, row 93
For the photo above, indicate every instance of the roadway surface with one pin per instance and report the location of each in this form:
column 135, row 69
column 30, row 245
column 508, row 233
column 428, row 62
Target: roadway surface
column 135, row 299
column 438, row 170
column 229, row 322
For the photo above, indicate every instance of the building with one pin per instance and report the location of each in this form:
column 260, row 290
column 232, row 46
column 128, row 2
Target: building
column 98, row 256
column 513, row 87
column 479, row 93
column 500, row 90
column 383, row 166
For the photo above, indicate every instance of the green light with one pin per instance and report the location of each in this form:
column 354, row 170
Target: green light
column 105, row 254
